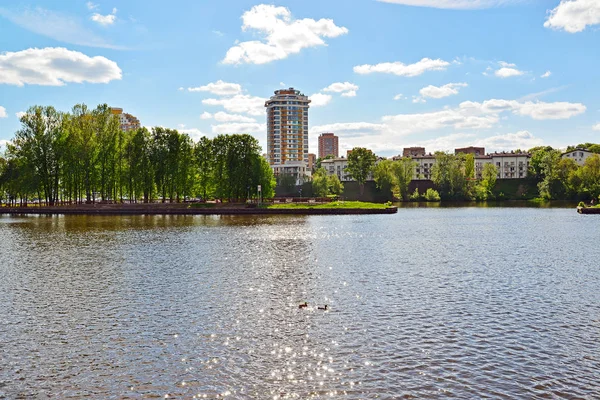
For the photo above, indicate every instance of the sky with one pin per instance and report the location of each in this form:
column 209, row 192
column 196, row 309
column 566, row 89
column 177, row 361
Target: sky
column 381, row 74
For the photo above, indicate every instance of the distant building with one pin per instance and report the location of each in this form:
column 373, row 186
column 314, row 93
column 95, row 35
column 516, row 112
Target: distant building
column 510, row 165
column 328, row 145
column 413, row 151
column 337, row 166
column 287, row 133
column 577, row 155
column 312, row 161
column 127, row 122
column 476, row 151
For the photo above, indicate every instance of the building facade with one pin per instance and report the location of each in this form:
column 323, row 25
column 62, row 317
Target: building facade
column 287, row 133
column 127, row 122
column 328, row 145
column 312, row 161
column 510, row 165
column 577, row 155
column 337, row 166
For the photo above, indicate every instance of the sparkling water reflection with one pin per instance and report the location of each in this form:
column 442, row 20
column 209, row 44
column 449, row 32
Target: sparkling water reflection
column 431, row 303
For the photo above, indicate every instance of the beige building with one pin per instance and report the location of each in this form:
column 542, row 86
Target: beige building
column 287, row 133
column 127, row 122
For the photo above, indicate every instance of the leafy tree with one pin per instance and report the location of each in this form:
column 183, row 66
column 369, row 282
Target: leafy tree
column 383, row 175
column 320, row 183
column 334, row 185
column 488, row 181
column 287, row 182
column 432, row 195
column 448, row 174
column 590, row 176
column 360, row 165
column 403, row 170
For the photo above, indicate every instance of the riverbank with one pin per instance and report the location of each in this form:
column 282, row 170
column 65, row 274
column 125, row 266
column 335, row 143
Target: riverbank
column 353, row 208
column 588, row 210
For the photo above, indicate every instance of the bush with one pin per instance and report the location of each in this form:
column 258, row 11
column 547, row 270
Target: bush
column 581, row 204
column 415, row 196
column 432, row 195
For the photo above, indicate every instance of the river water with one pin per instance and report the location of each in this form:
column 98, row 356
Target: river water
column 427, row 303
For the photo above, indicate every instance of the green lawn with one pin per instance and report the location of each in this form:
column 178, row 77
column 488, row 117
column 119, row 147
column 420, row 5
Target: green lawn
column 332, row 205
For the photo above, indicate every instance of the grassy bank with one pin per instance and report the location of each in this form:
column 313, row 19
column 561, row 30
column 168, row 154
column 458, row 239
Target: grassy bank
column 336, row 205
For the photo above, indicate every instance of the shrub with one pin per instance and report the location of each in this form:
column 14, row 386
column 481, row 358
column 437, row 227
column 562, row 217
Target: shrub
column 581, row 204
column 415, row 196
column 432, row 195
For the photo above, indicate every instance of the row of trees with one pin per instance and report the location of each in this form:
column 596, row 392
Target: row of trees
column 563, row 178
column 84, row 156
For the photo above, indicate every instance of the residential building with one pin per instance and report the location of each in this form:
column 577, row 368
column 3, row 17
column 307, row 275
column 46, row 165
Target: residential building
column 510, row 165
column 287, row 133
column 328, row 145
column 337, row 166
column 413, row 151
column 312, row 161
column 476, row 151
column 127, row 122
column 577, row 155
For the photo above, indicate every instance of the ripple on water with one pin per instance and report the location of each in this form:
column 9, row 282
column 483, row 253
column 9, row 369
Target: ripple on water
column 464, row 303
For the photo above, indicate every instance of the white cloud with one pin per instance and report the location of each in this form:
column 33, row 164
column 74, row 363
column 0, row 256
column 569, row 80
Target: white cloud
column 453, row 4
column 510, row 141
column 574, row 15
column 218, row 33
column 239, row 127
column 319, row 99
column 507, row 65
column 536, row 110
column 220, row 88
column 347, row 128
column 91, row 6
column 444, row 143
column 54, row 66
column 225, row 117
column 3, row 145
column 282, row 35
column 596, row 127
column 347, row 89
column 436, row 92
column 58, row 26
column 105, row 20
column 418, row 100
column 399, row 96
column 401, row 69
column 3, row 112
column 181, row 89
column 20, row 114
column 240, row 103
column 194, row 133
column 505, row 72
column 546, row 75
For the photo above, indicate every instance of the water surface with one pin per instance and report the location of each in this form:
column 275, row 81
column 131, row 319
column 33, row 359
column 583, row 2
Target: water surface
column 427, row 303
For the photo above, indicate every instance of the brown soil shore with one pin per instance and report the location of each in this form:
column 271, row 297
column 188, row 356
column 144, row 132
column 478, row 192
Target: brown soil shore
column 182, row 209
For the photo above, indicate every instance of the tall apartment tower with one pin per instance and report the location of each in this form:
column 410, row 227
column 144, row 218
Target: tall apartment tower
column 287, row 133
column 328, row 145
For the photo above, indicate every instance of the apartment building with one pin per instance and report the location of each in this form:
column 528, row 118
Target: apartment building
column 328, row 145
column 127, row 121
column 287, row 133
column 577, row 155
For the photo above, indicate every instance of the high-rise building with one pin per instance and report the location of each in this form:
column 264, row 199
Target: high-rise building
column 127, row 121
column 287, row 133
column 328, row 145
column 312, row 161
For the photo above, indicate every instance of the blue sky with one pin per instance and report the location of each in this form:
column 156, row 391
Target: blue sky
column 505, row 74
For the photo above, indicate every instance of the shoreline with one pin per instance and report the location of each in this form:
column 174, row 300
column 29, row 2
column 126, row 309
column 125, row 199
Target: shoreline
column 172, row 209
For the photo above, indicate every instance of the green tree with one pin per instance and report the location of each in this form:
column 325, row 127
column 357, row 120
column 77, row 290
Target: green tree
column 448, row 174
column 360, row 165
column 319, row 183
column 287, row 182
column 334, row 185
column 384, row 175
column 488, row 181
column 403, row 170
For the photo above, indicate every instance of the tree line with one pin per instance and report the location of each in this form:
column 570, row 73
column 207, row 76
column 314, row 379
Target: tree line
column 83, row 156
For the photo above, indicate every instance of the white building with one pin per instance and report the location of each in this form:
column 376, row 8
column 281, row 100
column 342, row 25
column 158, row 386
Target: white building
column 510, row 165
column 577, row 155
column 127, row 122
column 337, row 166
